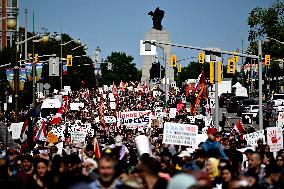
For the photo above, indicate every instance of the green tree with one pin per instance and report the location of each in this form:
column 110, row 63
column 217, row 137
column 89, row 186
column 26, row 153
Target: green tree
column 122, row 69
column 265, row 22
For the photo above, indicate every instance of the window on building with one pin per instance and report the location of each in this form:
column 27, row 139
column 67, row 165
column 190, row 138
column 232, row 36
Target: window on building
column 12, row 3
column 9, row 41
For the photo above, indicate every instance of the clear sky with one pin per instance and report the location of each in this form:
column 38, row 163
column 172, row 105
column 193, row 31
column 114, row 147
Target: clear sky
column 118, row 25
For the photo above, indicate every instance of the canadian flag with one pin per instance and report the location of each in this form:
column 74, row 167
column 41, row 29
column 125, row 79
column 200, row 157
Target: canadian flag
column 42, row 133
column 239, row 127
column 57, row 118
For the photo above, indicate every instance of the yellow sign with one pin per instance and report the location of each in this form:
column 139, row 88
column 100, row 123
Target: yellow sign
column 51, row 138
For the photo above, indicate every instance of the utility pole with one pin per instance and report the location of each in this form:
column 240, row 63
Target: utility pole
column 3, row 38
column 260, row 85
column 26, row 34
column 214, row 58
column 96, row 64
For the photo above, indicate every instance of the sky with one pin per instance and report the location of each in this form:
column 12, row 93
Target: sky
column 119, row 25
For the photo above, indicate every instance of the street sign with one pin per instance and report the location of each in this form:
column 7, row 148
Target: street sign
column 212, row 103
column 247, row 118
column 53, row 66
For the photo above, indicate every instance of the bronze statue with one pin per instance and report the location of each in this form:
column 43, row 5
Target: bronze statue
column 157, row 17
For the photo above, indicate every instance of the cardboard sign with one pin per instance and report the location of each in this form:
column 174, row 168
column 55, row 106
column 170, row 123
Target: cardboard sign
column 280, row 120
column 252, row 138
column 51, row 138
column 112, row 105
column 16, row 128
column 274, row 138
column 180, row 134
column 173, row 112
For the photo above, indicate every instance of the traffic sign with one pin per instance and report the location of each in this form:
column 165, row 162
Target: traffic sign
column 212, row 103
column 247, row 118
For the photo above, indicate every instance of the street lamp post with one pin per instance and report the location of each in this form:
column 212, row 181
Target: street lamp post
column 61, row 58
column 260, row 85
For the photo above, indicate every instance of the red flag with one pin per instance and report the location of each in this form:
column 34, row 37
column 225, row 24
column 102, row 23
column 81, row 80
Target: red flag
column 97, row 149
column 239, row 127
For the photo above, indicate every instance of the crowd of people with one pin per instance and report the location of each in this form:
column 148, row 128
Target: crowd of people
column 109, row 158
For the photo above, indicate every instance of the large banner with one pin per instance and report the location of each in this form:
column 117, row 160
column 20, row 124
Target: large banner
column 252, row 138
column 180, row 134
column 275, row 138
column 29, row 68
column 134, row 119
column 10, row 77
column 38, row 70
column 22, row 78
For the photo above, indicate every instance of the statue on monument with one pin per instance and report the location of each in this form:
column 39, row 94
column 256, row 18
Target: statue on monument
column 157, row 17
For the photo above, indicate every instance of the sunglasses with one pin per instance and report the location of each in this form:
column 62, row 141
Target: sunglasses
column 279, row 160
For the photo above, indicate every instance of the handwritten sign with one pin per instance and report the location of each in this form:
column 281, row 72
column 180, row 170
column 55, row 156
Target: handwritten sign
column 173, row 112
column 16, row 130
column 180, row 134
column 78, row 137
column 274, row 138
column 252, row 138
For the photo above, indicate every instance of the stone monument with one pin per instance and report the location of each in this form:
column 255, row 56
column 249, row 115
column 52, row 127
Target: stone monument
column 159, row 34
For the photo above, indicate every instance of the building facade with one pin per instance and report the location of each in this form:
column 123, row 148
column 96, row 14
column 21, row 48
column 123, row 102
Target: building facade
column 12, row 12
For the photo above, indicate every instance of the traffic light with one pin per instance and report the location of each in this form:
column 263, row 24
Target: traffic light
column 36, row 58
column 201, row 57
column 211, row 77
column 173, row 60
column 267, row 60
column 69, row 60
column 231, row 66
column 179, row 67
column 236, row 58
column 220, row 72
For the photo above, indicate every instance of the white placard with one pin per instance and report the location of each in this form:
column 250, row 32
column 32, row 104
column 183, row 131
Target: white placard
column 212, row 103
column 78, row 137
column 16, row 128
column 67, row 88
column 147, row 48
column 105, row 88
column 274, row 138
column 159, row 112
column 280, row 120
column 173, row 113
column 180, row 134
column 110, row 119
column 75, row 106
column 112, row 105
column 135, row 118
column 252, row 138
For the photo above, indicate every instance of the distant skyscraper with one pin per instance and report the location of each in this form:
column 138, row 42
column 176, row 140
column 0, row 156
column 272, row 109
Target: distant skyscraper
column 12, row 11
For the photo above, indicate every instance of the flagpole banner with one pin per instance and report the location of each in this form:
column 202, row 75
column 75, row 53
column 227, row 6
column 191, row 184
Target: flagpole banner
column 22, row 78
column 10, row 76
column 180, row 134
column 29, row 68
column 38, row 71
column 274, row 138
column 64, row 67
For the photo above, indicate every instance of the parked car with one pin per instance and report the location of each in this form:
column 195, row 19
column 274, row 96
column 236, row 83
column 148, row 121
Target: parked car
column 235, row 103
column 247, row 103
column 277, row 100
column 224, row 99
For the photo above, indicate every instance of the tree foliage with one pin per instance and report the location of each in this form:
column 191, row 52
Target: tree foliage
column 267, row 22
column 122, row 69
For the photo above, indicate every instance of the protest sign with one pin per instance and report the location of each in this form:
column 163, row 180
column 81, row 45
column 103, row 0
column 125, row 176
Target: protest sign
column 280, row 119
column 180, row 134
column 112, row 105
column 252, row 138
column 75, row 106
column 135, row 119
column 173, row 112
column 142, row 144
column 109, row 119
column 106, row 88
column 274, row 138
column 51, row 138
column 78, row 137
column 16, row 128
column 159, row 112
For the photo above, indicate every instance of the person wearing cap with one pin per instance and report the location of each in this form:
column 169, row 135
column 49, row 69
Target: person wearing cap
column 213, row 147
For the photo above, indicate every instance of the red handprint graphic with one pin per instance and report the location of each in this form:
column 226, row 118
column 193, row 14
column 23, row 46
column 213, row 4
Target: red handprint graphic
column 272, row 135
